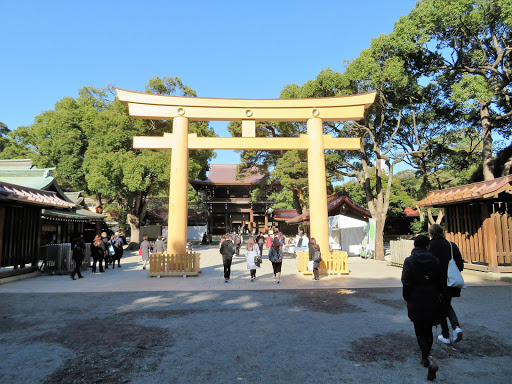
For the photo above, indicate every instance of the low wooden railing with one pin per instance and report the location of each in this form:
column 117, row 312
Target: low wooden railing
column 164, row 264
column 333, row 263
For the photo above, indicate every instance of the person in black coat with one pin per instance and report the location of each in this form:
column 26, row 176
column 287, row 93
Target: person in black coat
column 78, row 253
column 227, row 249
column 440, row 248
column 422, row 289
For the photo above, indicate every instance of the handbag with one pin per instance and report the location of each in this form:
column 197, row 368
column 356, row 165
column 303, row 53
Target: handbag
column 140, row 251
column 258, row 260
column 310, row 265
column 455, row 278
column 111, row 250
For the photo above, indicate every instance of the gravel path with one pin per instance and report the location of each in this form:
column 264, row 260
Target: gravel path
column 361, row 335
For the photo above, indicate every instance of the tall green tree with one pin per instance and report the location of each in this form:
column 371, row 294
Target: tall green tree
column 130, row 176
column 89, row 142
column 466, row 46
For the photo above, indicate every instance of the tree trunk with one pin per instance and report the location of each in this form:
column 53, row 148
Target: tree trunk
column 379, row 236
column 296, row 201
column 487, row 161
column 135, row 231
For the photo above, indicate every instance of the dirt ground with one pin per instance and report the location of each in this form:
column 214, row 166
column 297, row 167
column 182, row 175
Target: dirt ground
column 281, row 336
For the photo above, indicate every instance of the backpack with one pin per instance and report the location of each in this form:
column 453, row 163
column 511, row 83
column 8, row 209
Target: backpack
column 77, row 251
column 317, row 256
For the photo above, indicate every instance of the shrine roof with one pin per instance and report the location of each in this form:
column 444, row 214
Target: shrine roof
column 32, row 196
column 337, row 204
column 283, row 214
column 477, row 191
column 226, row 174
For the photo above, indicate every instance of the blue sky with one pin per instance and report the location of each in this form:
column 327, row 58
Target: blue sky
column 50, row 49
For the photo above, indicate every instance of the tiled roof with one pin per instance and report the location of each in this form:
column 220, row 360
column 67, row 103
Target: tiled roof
column 226, row 174
column 282, row 214
column 476, row 191
column 411, row 212
column 337, row 204
column 32, row 196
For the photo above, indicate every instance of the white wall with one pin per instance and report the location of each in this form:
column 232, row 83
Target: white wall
column 196, row 232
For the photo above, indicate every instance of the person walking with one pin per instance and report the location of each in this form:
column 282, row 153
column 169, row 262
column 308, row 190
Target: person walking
column 275, row 255
column 252, row 254
column 238, row 244
column 260, row 240
column 422, row 290
column 144, row 251
column 106, row 256
column 117, row 243
column 269, row 241
column 443, row 250
column 97, row 253
column 159, row 246
column 316, row 257
column 78, row 253
column 227, row 249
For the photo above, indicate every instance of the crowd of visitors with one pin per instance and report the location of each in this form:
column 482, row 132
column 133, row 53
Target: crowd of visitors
column 104, row 252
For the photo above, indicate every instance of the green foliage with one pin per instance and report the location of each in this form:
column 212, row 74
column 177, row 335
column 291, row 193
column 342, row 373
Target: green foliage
column 89, row 141
column 283, row 199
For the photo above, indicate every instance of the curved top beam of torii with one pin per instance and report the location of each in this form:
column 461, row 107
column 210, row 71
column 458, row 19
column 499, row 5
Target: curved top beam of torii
column 162, row 107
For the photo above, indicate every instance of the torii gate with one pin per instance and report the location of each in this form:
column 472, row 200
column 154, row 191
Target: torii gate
column 248, row 111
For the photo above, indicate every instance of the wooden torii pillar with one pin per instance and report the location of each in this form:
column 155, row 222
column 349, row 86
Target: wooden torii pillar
column 184, row 109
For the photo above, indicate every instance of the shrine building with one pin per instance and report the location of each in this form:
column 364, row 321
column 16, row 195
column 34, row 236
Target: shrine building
column 228, row 199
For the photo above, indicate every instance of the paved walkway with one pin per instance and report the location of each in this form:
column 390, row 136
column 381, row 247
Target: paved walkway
column 131, row 277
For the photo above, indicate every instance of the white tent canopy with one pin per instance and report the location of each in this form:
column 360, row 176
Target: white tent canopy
column 347, row 234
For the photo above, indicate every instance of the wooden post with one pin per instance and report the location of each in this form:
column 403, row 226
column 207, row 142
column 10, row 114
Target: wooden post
column 489, row 239
column 317, row 185
column 178, row 191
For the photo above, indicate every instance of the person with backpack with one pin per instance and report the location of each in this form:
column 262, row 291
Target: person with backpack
column 423, row 292
column 275, row 255
column 106, row 256
column 97, row 253
column 78, row 253
column 117, row 243
column 316, row 257
column 443, row 250
column 227, row 249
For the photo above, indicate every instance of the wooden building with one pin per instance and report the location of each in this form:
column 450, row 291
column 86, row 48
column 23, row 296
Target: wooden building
column 20, row 225
column 227, row 197
column 478, row 218
column 58, row 224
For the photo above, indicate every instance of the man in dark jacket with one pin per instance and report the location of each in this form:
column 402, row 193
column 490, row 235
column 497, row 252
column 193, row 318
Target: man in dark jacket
column 227, row 249
column 422, row 289
column 78, row 253
column 440, row 248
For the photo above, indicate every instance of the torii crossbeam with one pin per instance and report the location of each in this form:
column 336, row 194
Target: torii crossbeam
column 184, row 109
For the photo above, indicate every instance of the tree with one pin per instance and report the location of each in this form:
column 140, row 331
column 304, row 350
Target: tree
column 89, row 141
column 466, row 46
column 4, row 141
column 130, row 176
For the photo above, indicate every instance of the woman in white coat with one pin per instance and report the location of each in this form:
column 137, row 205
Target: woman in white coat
column 251, row 252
